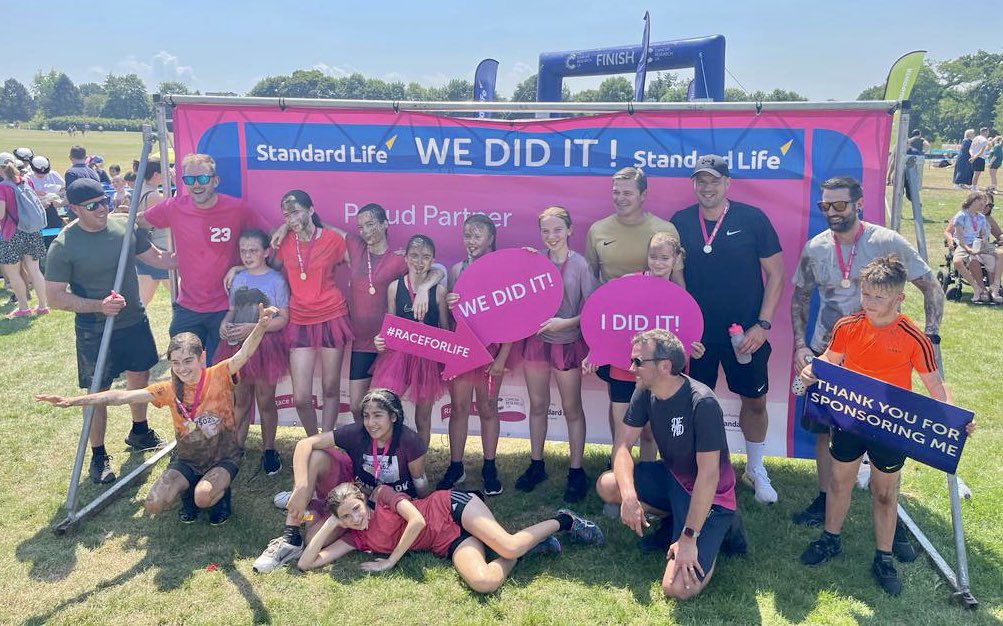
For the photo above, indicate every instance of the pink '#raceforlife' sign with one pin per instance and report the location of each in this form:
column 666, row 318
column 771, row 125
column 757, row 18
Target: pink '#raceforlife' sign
column 460, row 351
column 506, row 295
column 621, row 308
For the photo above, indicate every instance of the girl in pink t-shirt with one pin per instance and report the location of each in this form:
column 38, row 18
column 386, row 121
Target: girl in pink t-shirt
column 450, row 524
column 318, row 330
column 558, row 347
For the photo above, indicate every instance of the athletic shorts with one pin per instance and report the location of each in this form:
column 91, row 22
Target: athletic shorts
column 204, row 325
column 361, row 365
column 619, row 390
column 846, row 447
column 979, row 165
column 751, row 380
column 657, row 487
column 131, row 349
column 143, row 269
column 458, row 501
column 193, row 476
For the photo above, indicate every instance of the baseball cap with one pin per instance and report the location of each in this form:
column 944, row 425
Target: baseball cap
column 40, row 164
column 97, row 158
column 6, row 157
column 83, row 189
column 712, row 164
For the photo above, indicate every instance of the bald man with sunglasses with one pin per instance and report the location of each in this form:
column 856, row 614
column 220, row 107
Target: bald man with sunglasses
column 830, row 263
column 79, row 277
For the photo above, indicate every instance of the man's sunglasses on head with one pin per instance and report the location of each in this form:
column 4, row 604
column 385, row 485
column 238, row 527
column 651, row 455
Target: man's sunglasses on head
column 202, row 179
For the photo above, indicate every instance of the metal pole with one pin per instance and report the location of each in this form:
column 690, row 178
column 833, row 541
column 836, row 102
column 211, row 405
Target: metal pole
column 99, row 367
column 165, row 176
column 899, row 165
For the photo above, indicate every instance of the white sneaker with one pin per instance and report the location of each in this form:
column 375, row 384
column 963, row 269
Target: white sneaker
column 864, row 476
column 759, row 480
column 278, row 553
column 281, row 499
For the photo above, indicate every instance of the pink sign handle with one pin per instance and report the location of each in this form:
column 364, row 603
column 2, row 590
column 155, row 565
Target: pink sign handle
column 459, row 351
column 623, row 307
column 507, row 294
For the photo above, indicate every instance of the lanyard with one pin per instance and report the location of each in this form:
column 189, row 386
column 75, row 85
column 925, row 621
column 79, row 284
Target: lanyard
column 708, row 241
column 377, row 459
column 305, row 259
column 369, row 271
column 844, row 268
column 188, row 412
column 564, row 264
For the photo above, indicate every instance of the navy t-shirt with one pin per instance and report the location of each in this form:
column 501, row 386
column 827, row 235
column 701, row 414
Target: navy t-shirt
column 728, row 282
column 689, row 421
column 394, row 471
column 79, row 170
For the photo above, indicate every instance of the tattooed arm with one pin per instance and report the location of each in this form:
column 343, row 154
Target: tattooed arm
column 804, row 285
column 933, row 301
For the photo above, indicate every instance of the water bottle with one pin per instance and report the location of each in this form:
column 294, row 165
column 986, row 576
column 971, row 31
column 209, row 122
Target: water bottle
column 737, row 337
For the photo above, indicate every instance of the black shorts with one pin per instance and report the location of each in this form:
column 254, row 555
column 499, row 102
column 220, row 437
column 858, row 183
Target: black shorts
column 361, row 365
column 751, row 380
column 657, row 487
column 193, row 476
column 846, row 447
column 979, row 165
column 132, row 349
column 204, row 325
column 458, row 501
column 813, row 426
column 619, row 390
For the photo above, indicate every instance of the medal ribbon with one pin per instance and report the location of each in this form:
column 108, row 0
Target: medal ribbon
column 304, row 259
column 377, row 459
column 844, row 268
column 703, row 226
column 188, row 412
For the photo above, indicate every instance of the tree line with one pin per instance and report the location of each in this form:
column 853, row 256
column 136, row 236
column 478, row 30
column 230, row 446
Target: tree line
column 949, row 96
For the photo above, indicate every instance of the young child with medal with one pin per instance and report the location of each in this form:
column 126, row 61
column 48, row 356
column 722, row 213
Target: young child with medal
column 381, row 450
column 318, row 328
column 200, row 399
column 414, row 378
column 558, row 349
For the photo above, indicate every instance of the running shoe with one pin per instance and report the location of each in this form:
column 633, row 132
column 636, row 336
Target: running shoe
column 271, row 462
column 759, row 480
column 550, row 545
column 583, row 530
column 149, row 440
column 902, row 548
column 822, row 550
column 489, row 476
column 100, row 470
column 577, row 487
column 281, row 499
column 454, row 474
column 535, row 474
column 814, row 515
column 221, row 511
column 885, row 574
column 278, row 553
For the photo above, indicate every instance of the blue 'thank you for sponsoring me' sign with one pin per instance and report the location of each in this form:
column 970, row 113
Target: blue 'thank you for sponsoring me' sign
column 927, row 430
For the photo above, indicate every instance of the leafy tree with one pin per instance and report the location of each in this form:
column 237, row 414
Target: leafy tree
column 127, row 98
column 89, row 89
column 616, row 89
column 94, row 104
column 63, row 99
column 16, row 104
column 174, row 87
column 42, row 84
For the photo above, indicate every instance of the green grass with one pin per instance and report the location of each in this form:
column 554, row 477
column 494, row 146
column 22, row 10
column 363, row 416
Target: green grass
column 120, row 567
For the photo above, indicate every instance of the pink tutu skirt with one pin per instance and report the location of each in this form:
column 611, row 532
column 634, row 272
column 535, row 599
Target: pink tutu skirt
column 412, row 378
column 267, row 365
column 560, row 356
column 334, row 333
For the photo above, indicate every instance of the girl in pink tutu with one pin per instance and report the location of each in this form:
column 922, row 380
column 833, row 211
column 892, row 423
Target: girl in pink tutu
column 257, row 284
column 414, row 378
column 479, row 239
column 318, row 327
column 558, row 347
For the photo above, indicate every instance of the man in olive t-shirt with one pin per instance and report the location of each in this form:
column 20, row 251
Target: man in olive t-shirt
column 79, row 276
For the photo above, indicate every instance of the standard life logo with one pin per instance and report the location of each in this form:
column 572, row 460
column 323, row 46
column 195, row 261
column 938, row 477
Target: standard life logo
column 747, row 160
column 344, row 153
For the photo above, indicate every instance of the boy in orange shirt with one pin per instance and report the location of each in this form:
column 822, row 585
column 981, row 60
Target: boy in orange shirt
column 882, row 343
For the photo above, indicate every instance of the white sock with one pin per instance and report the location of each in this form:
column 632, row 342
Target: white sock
column 754, row 450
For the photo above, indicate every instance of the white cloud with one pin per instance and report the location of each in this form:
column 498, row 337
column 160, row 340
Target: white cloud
column 394, row 77
column 96, row 73
column 333, row 70
column 438, row 79
column 161, row 67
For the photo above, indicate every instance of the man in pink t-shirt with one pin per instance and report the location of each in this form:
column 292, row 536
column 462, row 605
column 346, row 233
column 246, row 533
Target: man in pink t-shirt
column 206, row 226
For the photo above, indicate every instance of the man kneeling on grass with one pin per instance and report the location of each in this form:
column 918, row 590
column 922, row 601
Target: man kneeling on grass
column 693, row 489
column 881, row 343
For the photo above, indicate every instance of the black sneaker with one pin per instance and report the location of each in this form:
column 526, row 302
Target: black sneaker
column 821, row 550
column 100, row 470
column 578, row 486
column 814, row 515
column 535, row 474
column 189, row 512
column 902, row 548
column 492, row 486
column 660, row 540
column 884, row 572
column 271, row 462
column 734, row 543
column 221, row 511
column 149, row 440
column 454, row 474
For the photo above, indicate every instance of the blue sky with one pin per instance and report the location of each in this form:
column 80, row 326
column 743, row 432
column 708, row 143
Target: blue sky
column 824, row 50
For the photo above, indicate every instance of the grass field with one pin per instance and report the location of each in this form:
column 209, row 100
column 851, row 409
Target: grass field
column 120, row 567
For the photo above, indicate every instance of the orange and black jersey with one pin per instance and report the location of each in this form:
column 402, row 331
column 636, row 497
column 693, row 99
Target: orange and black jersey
column 888, row 353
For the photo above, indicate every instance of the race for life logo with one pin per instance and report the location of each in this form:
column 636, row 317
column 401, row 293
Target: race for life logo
column 677, row 426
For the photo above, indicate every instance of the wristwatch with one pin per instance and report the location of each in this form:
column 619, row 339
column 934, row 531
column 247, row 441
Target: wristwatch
column 934, row 338
column 689, row 532
column 765, row 325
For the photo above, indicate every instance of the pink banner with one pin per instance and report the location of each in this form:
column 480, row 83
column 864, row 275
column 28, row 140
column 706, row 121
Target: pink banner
column 430, row 172
column 460, row 351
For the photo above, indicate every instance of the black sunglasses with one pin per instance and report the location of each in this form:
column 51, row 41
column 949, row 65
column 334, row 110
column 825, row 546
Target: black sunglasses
column 638, row 362
column 838, row 205
column 97, row 204
column 202, row 179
